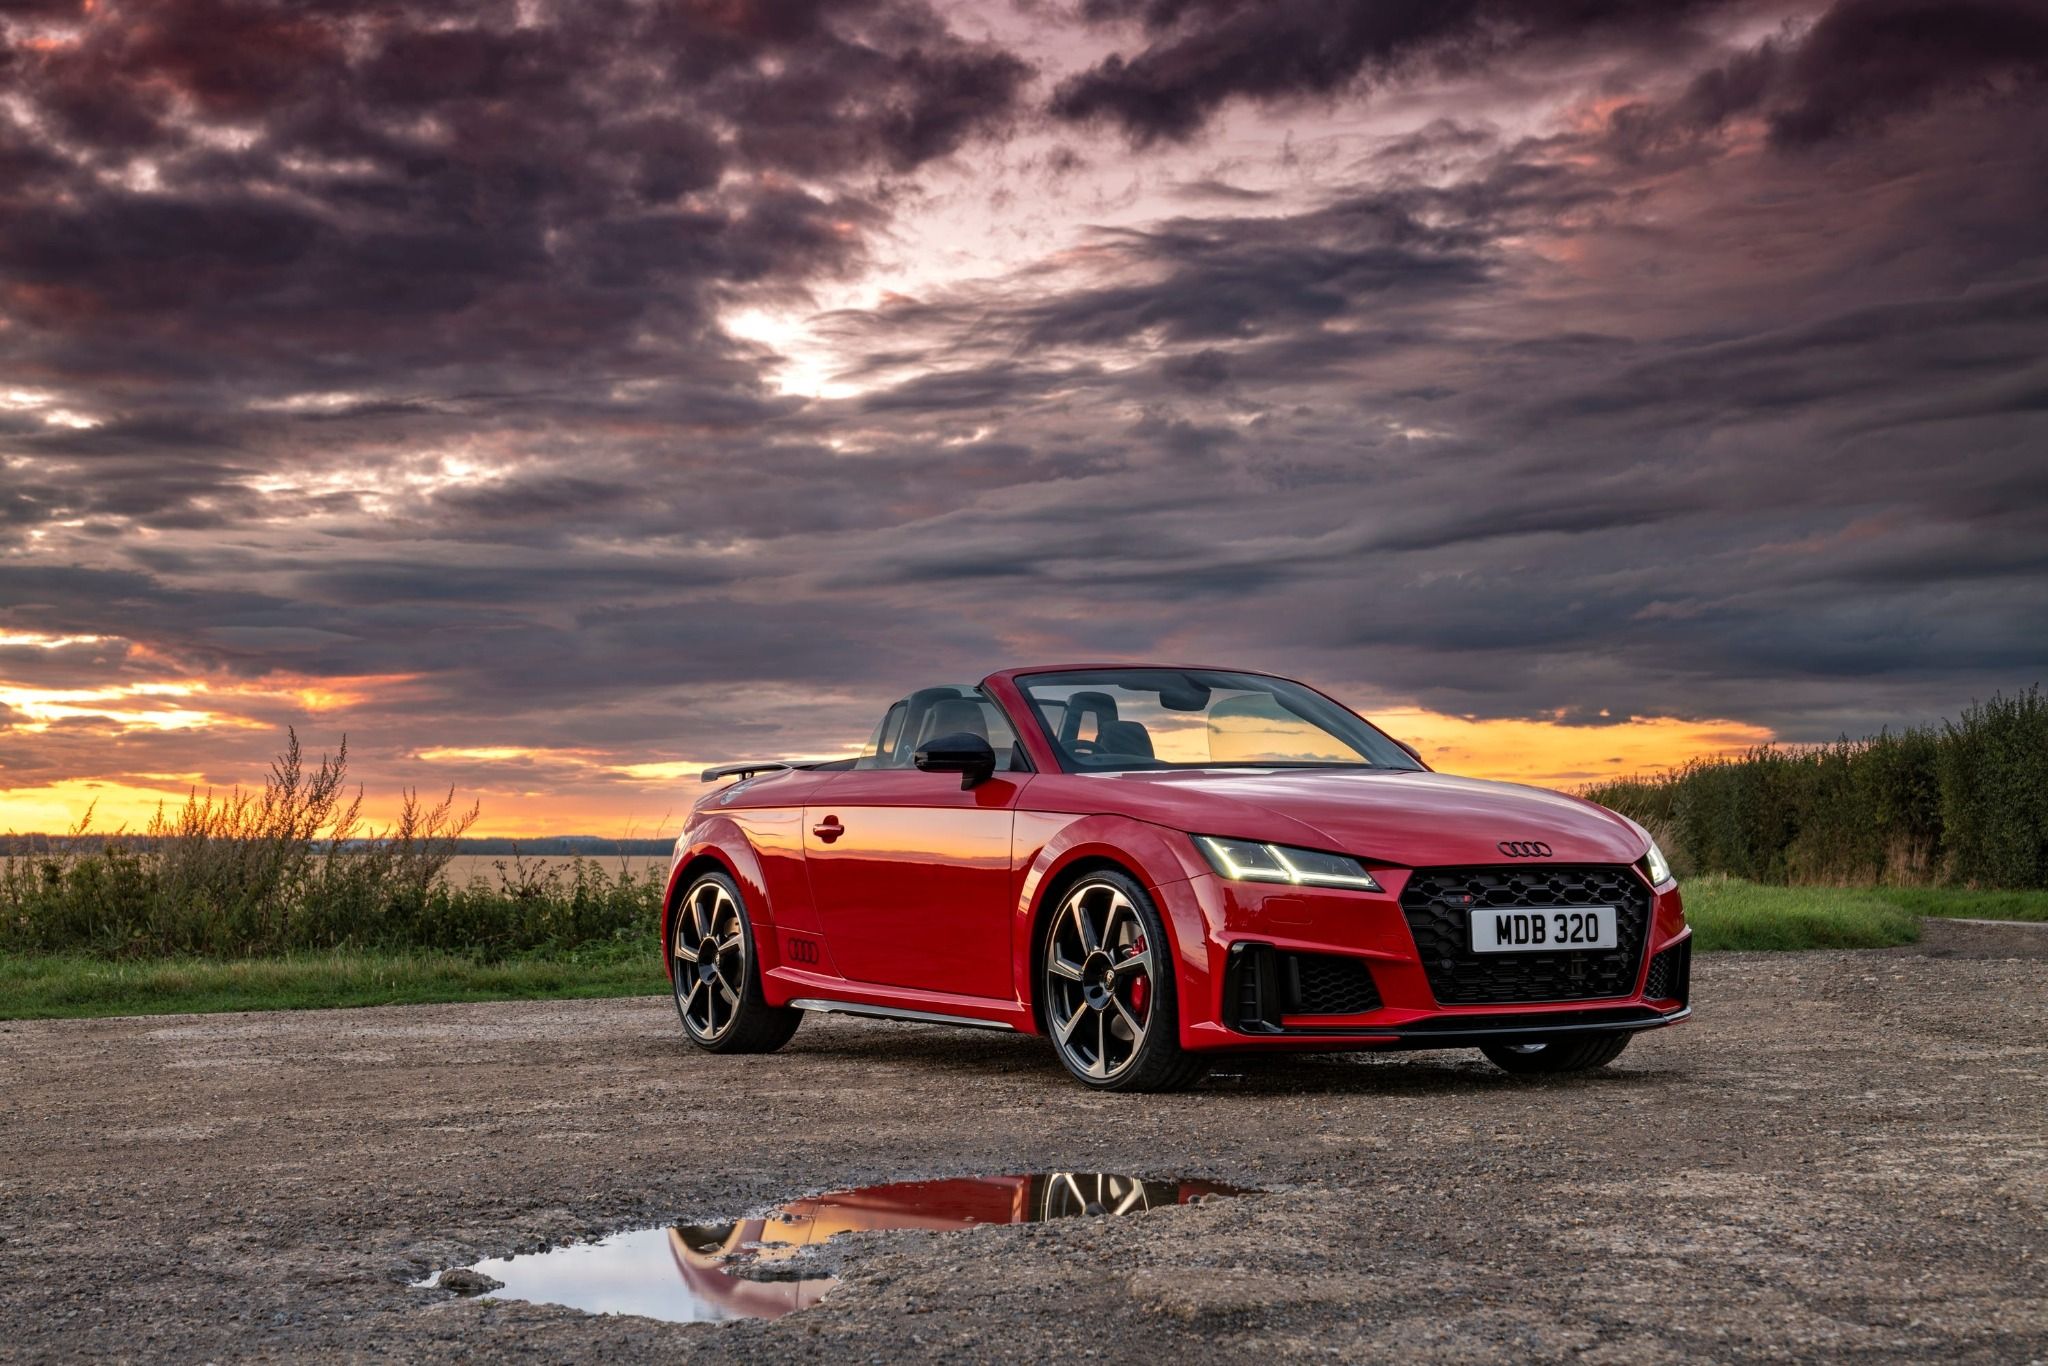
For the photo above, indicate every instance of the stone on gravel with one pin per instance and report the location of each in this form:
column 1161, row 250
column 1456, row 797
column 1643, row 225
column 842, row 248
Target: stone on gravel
column 464, row 1281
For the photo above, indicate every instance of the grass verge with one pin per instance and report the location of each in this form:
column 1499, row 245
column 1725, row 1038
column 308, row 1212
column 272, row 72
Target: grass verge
column 59, row 986
column 1957, row 904
column 1728, row 913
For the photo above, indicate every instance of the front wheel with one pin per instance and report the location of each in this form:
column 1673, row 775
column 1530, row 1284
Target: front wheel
column 716, row 973
column 1106, row 990
column 1581, row 1054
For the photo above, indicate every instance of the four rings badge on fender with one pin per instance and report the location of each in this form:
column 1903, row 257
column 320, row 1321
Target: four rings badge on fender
column 1524, row 848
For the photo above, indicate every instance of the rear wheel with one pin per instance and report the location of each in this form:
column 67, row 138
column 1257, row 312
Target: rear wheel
column 716, row 973
column 1107, row 989
column 1582, row 1053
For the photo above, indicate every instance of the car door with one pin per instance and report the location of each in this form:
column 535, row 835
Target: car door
column 910, row 873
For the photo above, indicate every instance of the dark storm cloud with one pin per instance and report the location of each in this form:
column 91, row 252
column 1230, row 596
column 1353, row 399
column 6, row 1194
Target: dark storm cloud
column 1202, row 53
column 1865, row 62
column 243, row 196
column 1228, row 279
column 1875, row 59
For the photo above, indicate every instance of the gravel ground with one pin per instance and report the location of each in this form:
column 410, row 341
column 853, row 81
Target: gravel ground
column 1842, row 1157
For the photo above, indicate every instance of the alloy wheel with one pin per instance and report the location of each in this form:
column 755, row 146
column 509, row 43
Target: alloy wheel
column 1089, row 1193
column 1098, row 975
column 710, row 948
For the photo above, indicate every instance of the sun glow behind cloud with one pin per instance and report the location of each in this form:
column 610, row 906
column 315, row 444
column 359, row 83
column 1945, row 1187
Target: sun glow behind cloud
column 536, row 791
column 115, row 705
column 38, row 641
column 532, row 790
column 1551, row 754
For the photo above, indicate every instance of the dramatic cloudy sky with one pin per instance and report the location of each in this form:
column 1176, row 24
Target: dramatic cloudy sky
column 556, row 397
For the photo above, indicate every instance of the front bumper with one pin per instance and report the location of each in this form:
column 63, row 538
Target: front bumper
column 1243, row 947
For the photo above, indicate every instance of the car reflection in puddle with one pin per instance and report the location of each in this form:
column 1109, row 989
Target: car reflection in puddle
column 687, row 1274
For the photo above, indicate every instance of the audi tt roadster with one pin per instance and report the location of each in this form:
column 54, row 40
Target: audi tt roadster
column 1152, row 866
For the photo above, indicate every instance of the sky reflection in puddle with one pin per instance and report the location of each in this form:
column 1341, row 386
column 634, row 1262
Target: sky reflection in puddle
column 686, row 1274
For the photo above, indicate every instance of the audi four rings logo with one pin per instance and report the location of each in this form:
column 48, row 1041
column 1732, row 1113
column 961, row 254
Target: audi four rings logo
column 1524, row 848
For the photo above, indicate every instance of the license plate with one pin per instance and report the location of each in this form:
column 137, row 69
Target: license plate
column 1551, row 929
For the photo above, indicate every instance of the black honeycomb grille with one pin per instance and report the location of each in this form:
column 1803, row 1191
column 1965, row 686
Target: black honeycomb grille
column 1439, row 902
column 1326, row 985
column 1670, row 976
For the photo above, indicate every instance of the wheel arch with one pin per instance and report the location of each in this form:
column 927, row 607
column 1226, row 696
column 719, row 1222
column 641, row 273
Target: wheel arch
column 722, row 848
column 1134, row 848
column 1049, row 898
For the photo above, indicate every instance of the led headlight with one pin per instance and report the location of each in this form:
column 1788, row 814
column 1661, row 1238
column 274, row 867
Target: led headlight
column 1249, row 861
column 1656, row 867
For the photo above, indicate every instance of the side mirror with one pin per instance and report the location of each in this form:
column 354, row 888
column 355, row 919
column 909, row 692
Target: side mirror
column 963, row 753
column 1411, row 751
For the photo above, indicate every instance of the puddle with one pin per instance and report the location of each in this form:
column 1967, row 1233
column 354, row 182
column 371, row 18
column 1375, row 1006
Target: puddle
column 692, row 1273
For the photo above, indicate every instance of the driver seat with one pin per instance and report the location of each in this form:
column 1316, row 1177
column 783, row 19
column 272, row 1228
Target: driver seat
column 1112, row 735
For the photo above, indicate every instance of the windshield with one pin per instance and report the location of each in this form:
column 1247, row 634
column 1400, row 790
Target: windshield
column 1120, row 719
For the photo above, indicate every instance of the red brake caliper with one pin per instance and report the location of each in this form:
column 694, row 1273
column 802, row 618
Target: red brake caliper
column 1140, row 988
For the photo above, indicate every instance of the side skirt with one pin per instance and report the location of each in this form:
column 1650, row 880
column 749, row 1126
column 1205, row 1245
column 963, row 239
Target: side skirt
column 890, row 1013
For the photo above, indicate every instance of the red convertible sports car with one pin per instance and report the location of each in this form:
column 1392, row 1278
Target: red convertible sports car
column 1154, row 865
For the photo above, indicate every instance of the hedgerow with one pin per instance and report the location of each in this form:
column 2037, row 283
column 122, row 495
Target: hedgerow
column 1964, row 802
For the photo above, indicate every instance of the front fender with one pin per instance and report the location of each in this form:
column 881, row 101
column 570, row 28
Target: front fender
column 1160, row 858
column 720, row 840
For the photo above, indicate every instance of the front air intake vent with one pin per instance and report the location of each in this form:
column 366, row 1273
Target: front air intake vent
column 1670, row 976
column 1265, row 985
column 1324, row 984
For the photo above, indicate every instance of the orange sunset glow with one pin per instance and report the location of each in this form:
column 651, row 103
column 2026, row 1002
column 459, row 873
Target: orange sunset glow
column 161, row 740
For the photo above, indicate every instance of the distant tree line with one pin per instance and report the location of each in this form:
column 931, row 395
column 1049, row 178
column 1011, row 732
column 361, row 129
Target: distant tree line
column 1963, row 802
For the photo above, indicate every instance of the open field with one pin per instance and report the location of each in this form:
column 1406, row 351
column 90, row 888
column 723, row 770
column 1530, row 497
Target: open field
column 1839, row 1159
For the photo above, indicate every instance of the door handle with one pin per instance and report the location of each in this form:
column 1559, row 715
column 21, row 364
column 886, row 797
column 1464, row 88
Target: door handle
column 829, row 829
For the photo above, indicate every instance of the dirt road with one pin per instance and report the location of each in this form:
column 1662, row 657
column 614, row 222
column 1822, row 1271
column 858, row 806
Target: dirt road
column 1844, row 1157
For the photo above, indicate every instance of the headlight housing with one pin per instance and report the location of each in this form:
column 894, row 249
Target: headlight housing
column 1251, row 861
column 1656, row 867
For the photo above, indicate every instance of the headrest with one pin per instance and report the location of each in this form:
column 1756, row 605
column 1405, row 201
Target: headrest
column 952, row 715
column 1101, row 705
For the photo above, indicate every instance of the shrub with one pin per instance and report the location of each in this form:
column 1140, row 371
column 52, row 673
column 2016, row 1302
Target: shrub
column 1993, row 767
column 291, row 867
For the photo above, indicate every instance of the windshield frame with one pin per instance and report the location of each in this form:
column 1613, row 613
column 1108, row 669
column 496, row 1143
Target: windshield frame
column 1365, row 736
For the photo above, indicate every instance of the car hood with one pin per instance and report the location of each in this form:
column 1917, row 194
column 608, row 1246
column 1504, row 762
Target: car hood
column 1411, row 818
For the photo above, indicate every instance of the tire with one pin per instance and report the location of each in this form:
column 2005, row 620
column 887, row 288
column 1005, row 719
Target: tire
column 1581, row 1054
column 1106, row 989
column 715, row 973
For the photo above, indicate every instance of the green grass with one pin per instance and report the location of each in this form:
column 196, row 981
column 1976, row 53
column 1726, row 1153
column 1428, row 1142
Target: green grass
column 1955, row 903
column 1728, row 913
column 73, row 986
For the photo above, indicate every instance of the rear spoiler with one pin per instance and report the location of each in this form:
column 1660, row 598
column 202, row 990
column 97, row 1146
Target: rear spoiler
column 712, row 775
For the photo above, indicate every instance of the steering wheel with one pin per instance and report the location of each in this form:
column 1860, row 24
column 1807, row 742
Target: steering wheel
column 1084, row 749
